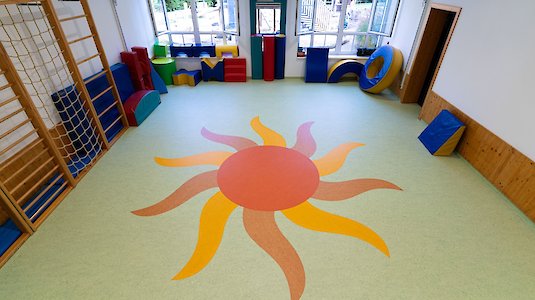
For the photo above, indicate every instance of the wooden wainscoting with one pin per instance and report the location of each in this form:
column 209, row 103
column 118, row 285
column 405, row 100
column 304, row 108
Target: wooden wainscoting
column 505, row 167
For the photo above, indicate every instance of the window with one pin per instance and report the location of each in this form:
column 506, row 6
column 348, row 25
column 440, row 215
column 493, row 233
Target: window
column 196, row 22
column 344, row 25
column 384, row 13
column 268, row 18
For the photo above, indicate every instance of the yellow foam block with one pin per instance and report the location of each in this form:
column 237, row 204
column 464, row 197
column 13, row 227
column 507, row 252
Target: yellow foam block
column 220, row 49
column 183, row 79
column 448, row 147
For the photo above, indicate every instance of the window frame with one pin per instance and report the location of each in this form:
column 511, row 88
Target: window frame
column 236, row 32
column 268, row 6
column 384, row 21
column 196, row 32
column 340, row 33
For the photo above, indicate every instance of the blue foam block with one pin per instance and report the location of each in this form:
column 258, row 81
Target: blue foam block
column 316, row 64
column 217, row 73
column 192, row 50
column 440, row 130
column 123, row 81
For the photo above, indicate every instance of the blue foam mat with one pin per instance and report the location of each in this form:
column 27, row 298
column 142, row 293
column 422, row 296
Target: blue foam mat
column 316, row 64
column 46, row 196
column 9, row 233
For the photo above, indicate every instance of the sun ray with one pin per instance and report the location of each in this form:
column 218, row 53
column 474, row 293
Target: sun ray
column 261, row 227
column 313, row 218
column 215, row 158
column 236, row 142
column 334, row 160
column 305, row 141
column 190, row 188
column 270, row 137
column 214, row 217
column 333, row 191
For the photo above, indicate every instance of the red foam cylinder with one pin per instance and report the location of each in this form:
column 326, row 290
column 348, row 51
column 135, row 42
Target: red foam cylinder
column 269, row 57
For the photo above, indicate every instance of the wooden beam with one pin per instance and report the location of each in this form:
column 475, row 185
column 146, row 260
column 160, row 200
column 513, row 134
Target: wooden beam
column 7, row 2
column 104, row 59
column 15, row 211
column 31, row 111
column 71, row 18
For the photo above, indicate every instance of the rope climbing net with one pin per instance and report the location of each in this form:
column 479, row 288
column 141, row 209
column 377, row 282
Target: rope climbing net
column 29, row 41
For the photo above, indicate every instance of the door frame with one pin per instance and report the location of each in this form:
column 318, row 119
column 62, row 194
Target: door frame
column 406, row 82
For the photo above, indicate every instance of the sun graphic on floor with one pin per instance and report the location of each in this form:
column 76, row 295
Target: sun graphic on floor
column 262, row 180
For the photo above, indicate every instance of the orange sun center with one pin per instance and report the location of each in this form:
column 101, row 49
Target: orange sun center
column 268, row 178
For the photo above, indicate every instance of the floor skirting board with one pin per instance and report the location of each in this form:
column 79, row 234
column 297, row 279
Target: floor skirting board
column 505, row 167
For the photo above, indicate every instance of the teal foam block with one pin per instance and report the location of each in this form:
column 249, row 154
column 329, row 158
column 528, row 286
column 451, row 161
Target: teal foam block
column 256, row 57
column 140, row 105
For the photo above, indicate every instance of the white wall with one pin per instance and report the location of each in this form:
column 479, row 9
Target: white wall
column 136, row 23
column 107, row 28
column 408, row 19
column 487, row 70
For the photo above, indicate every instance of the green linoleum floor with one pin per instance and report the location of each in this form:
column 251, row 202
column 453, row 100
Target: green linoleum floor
column 451, row 234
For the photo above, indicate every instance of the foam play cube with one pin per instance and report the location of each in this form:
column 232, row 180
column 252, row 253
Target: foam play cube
column 235, row 69
column 207, row 49
column 145, row 64
column 191, row 78
column 176, row 49
column 160, row 50
column 442, row 134
column 220, row 50
column 140, row 105
column 137, row 73
column 212, row 71
column 191, row 50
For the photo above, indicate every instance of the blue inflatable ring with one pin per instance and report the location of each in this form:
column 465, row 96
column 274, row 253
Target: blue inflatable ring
column 381, row 69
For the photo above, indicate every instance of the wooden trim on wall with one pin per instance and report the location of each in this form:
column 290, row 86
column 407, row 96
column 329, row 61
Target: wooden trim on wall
column 505, row 167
